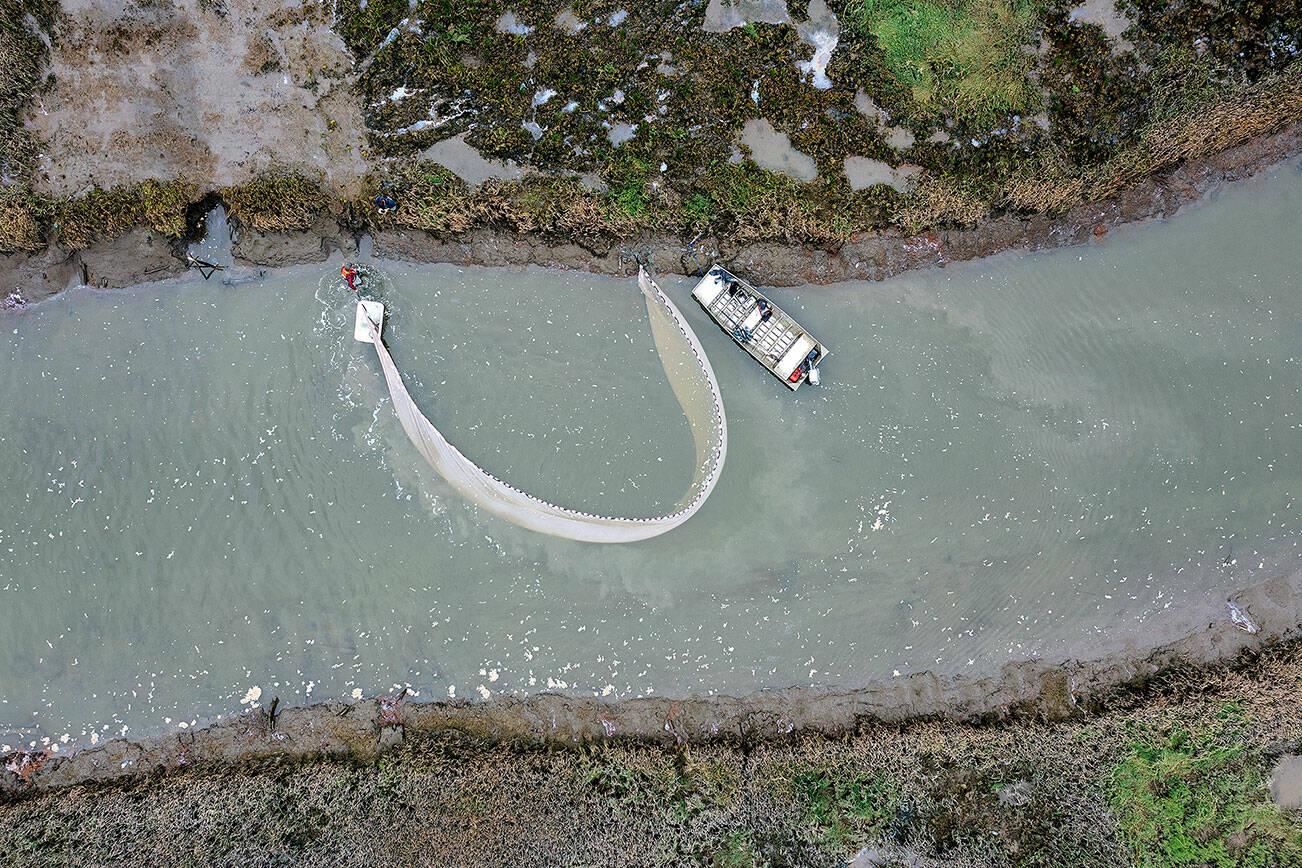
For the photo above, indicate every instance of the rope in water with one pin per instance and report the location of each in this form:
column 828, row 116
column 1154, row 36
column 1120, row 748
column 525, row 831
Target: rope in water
column 534, row 513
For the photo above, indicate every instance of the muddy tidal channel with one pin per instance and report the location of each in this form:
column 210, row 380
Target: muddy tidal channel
column 208, row 501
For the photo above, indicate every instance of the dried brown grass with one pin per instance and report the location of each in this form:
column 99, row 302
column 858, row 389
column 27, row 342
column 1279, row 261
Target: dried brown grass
column 941, row 201
column 275, row 203
column 22, row 54
column 106, row 214
column 433, row 199
column 21, row 227
column 1201, row 132
column 1049, row 184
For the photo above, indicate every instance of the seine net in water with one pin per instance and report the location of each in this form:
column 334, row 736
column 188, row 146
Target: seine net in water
column 694, row 385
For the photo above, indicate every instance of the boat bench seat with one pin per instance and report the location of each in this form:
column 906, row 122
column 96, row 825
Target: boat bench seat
column 794, row 356
column 709, row 289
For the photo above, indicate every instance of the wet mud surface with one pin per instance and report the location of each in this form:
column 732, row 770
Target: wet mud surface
column 263, row 86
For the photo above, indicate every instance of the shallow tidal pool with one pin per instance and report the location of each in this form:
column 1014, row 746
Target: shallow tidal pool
column 208, row 501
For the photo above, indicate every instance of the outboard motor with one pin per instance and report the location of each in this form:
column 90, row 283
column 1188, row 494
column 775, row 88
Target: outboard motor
column 810, row 364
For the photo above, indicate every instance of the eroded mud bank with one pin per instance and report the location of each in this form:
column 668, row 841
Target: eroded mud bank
column 1221, row 630
column 145, row 255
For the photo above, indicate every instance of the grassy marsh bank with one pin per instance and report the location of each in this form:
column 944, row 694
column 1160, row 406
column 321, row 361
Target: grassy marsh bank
column 983, row 108
column 1174, row 774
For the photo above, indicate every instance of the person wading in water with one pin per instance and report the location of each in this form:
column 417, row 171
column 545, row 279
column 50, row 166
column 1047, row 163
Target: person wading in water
column 349, row 274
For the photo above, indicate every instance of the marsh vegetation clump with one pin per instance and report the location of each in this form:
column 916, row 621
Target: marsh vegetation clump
column 275, row 202
column 21, row 224
column 1037, row 111
column 1253, row 38
column 23, row 54
column 102, row 215
column 618, row 119
column 269, row 203
column 1051, row 182
column 681, row 94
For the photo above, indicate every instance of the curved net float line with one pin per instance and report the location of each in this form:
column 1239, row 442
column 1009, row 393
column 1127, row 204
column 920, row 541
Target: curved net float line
column 684, row 362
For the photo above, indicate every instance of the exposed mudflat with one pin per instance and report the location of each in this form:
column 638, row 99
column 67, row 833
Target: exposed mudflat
column 209, row 93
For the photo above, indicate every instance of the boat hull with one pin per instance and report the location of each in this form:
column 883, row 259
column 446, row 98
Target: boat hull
column 765, row 331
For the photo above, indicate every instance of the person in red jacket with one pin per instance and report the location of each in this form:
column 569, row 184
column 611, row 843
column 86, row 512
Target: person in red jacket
column 349, row 274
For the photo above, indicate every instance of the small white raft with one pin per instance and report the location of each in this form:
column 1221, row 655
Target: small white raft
column 369, row 313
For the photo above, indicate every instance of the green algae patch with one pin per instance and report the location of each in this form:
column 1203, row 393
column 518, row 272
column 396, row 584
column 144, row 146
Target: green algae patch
column 850, row 807
column 967, row 59
column 1201, row 797
column 735, row 850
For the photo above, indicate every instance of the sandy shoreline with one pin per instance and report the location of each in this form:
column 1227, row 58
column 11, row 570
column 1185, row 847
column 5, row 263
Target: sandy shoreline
column 144, row 255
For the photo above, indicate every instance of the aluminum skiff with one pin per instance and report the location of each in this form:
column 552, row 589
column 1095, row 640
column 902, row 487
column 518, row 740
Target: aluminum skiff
column 760, row 327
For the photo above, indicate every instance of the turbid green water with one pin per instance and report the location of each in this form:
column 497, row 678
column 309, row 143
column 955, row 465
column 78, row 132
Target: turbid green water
column 206, row 490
